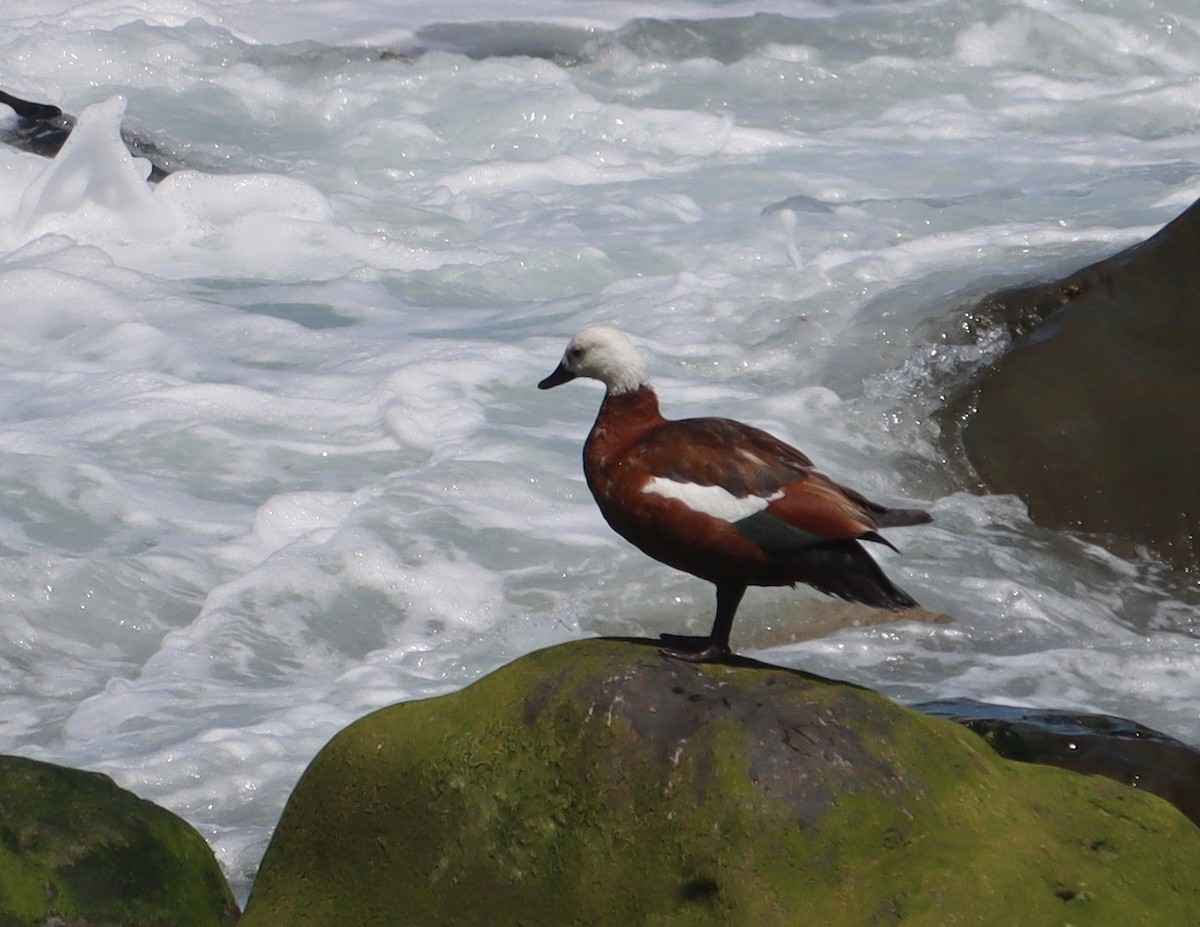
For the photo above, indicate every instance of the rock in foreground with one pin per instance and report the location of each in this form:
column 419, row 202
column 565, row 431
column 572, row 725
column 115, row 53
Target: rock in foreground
column 597, row 783
column 78, row 851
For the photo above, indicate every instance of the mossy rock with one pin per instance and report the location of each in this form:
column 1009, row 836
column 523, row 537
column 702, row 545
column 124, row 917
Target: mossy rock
column 598, row 783
column 77, row 850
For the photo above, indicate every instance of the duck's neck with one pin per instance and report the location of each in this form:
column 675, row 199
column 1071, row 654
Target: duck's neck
column 623, row 418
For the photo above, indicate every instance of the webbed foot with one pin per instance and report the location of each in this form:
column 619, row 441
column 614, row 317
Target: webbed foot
column 693, row 649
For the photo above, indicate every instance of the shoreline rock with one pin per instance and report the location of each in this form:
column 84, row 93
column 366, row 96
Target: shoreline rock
column 597, row 783
column 1093, row 415
column 78, row 850
column 1122, row 750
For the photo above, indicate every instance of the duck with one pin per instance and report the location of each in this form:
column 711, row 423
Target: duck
column 721, row 500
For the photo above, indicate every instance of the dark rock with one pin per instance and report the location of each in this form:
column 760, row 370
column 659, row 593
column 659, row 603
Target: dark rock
column 42, row 129
column 1123, row 750
column 598, row 783
column 1093, row 416
column 75, row 849
column 27, row 109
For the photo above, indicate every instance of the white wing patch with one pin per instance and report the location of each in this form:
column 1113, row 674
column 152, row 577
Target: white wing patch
column 711, row 500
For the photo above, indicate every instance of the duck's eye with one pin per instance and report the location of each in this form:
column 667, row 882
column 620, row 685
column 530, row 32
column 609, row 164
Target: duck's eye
column 574, row 354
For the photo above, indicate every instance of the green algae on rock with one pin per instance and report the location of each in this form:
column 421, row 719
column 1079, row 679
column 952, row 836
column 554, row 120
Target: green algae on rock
column 597, row 783
column 1122, row 750
column 78, row 850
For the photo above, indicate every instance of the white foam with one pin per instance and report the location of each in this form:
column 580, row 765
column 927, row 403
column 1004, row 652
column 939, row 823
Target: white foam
column 93, row 181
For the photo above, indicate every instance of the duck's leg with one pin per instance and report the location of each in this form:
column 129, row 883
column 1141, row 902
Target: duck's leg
column 716, row 645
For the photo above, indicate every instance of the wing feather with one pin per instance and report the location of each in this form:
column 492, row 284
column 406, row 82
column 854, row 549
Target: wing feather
column 739, row 458
column 802, row 508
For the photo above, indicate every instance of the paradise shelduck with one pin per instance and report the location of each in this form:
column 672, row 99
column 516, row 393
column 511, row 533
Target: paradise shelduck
column 721, row 500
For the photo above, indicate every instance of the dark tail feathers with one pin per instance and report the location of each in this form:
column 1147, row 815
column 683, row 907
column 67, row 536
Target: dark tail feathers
column 847, row 571
column 885, row 517
column 900, row 518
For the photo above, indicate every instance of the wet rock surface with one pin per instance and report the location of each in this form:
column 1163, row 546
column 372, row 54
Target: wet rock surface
column 1093, row 416
column 1123, row 750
